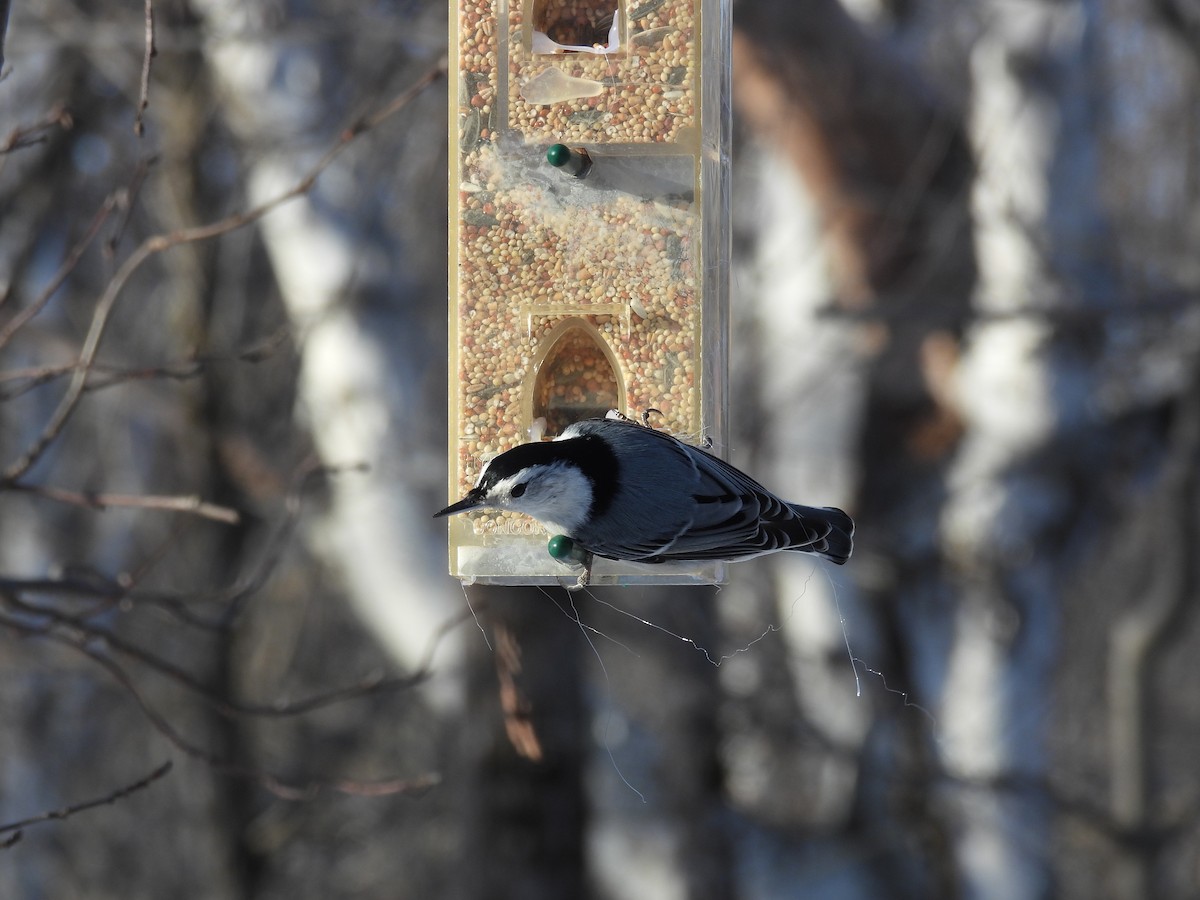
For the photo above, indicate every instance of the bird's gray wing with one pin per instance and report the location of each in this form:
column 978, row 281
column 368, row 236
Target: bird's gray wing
column 734, row 515
column 682, row 503
column 749, row 520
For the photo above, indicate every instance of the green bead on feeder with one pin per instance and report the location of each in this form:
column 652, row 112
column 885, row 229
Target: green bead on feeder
column 574, row 162
column 565, row 550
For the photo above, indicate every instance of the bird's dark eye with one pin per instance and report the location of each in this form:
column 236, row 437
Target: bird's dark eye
column 518, row 489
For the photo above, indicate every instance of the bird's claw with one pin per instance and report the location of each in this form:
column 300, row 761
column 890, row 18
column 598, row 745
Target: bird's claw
column 585, row 577
column 643, row 419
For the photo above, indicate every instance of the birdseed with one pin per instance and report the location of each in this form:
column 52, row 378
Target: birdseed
column 572, row 296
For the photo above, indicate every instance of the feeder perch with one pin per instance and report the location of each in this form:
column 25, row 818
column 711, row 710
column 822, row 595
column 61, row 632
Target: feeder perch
column 589, row 246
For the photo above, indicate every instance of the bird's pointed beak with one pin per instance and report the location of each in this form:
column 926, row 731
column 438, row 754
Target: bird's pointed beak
column 473, row 500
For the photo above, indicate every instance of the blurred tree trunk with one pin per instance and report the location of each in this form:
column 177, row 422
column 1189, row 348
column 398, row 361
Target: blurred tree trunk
column 964, row 447
column 670, row 694
column 525, row 737
column 1156, row 558
column 363, row 315
column 529, row 741
column 1018, row 480
column 886, row 163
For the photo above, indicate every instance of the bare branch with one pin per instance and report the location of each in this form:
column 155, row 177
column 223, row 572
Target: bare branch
column 30, row 379
column 125, row 200
column 105, row 376
column 39, row 620
column 68, row 266
column 385, row 788
column 67, row 811
column 110, row 591
column 151, row 52
column 160, row 242
column 101, row 501
column 29, row 135
column 288, row 790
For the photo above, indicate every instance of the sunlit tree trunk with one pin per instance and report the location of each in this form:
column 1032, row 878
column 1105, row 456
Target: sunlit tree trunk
column 956, row 438
column 1023, row 388
column 362, row 317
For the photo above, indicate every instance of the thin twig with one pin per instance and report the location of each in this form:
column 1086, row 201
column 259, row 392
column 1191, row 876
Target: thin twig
column 151, row 52
column 111, row 652
column 28, row 135
column 125, row 200
column 67, row 811
column 93, row 500
column 77, row 631
column 31, row 379
column 106, row 376
column 160, row 242
column 68, row 266
column 280, row 787
column 233, row 597
column 237, row 596
column 130, row 578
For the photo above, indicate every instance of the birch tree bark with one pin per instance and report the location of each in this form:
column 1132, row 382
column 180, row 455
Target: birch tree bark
column 964, row 455
column 1022, row 387
column 363, row 317
column 992, row 411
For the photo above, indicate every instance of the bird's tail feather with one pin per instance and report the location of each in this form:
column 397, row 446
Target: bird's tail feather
column 834, row 532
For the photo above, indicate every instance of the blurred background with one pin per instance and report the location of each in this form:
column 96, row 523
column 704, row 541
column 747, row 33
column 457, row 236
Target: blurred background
column 964, row 309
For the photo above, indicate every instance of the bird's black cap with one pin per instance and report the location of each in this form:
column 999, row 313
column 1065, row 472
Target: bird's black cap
column 590, row 453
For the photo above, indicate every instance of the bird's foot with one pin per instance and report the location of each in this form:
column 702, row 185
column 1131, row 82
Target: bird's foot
column 585, row 577
column 565, row 550
column 643, row 419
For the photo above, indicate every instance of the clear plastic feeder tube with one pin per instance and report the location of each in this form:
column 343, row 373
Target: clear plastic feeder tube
column 589, row 245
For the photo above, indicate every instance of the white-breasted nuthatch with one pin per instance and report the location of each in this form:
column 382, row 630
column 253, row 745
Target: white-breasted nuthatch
column 626, row 491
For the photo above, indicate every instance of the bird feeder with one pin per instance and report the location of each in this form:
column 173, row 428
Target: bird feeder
column 589, row 244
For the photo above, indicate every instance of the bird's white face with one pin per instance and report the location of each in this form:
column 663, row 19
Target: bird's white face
column 557, row 494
